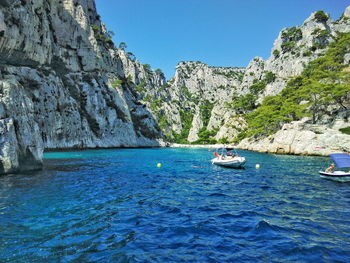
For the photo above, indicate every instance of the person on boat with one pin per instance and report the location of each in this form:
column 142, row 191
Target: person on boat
column 330, row 169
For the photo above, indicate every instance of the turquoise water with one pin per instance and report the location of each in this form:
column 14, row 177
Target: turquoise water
column 117, row 206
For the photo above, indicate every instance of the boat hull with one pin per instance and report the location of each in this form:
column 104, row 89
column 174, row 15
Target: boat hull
column 336, row 176
column 232, row 163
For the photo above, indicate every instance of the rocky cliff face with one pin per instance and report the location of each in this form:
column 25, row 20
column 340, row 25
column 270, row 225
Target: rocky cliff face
column 293, row 50
column 303, row 138
column 201, row 101
column 63, row 84
column 184, row 105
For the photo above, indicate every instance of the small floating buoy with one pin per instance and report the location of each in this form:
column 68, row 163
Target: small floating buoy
column 159, row 165
column 257, row 166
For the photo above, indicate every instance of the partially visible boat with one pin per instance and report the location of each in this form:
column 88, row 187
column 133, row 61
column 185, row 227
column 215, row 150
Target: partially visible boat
column 228, row 157
column 340, row 176
column 341, row 160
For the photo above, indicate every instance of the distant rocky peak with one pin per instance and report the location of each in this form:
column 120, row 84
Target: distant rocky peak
column 343, row 23
column 318, row 17
column 347, row 12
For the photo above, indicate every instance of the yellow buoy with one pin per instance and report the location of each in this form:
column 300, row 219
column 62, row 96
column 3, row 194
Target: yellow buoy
column 257, row 166
column 159, row 165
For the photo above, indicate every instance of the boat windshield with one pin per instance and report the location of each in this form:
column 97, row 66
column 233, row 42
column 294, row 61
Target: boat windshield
column 226, row 151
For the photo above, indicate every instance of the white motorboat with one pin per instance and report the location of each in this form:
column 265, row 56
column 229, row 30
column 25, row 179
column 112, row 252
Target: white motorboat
column 340, row 176
column 341, row 160
column 227, row 157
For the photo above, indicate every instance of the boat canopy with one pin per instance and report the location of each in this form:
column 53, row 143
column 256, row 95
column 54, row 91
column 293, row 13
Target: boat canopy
column 341, row 160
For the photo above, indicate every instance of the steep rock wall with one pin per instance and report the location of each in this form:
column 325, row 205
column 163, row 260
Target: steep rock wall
column 63, row 84
column 185, row 103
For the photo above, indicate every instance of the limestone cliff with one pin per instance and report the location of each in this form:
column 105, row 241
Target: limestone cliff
column 293, row 50
column 63, row 84
column 202, row 103
column 185, row 104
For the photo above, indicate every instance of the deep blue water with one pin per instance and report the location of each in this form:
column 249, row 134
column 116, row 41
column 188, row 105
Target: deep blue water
column 117, row 206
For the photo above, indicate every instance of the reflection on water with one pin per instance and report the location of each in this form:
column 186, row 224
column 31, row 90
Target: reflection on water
column 117, row 206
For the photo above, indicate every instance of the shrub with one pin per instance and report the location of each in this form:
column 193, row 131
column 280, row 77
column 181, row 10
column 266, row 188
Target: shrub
column 288, row 46
column 289, row 37
column 321, row 40
column 185, row 92
column 240, row 136
column 257, row 87
column 230, row 74
column 129, row 79
column 345, row 130
column 313, row 48
column 163, row 122
column 109, row 41
column 320, row 16
column 270, row 77
column 205, row 111
column 155, row 104
column 186, row 120
column 206, row 137
column 159, row 71
column 95, row 28
column 116, row 83
column 223, row 141
column 131, row 56
column 292, row 34
column 244, row 103
column 307, row 53
column 276, row 53
column 123, row 46
column 140, row 87
column 147, row 68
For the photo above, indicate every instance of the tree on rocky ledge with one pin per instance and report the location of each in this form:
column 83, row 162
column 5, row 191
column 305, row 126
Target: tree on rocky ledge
column 123, row 46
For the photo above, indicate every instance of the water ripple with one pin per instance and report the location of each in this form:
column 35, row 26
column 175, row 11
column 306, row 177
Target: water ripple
column 117, row 206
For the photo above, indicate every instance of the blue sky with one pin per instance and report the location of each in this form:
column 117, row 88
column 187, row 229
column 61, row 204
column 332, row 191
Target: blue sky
column 217, row 32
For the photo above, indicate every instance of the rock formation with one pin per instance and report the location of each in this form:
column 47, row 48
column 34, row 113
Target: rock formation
column 293, row 50
column 199, row 99
column 63, row 84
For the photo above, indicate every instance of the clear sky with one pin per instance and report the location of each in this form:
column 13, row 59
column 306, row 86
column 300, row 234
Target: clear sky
column 217, row 32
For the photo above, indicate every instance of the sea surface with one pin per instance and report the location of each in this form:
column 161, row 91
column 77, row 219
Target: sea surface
column 118, row 206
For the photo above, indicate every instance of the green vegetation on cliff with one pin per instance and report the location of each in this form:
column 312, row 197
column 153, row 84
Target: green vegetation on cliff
column 186, row 120
column 247, row 102
column 321, row 16
column 321, row 84
column 206, row 136
column 290, row 36
column 345, row 130
column 230, row 74
column 205, row 110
